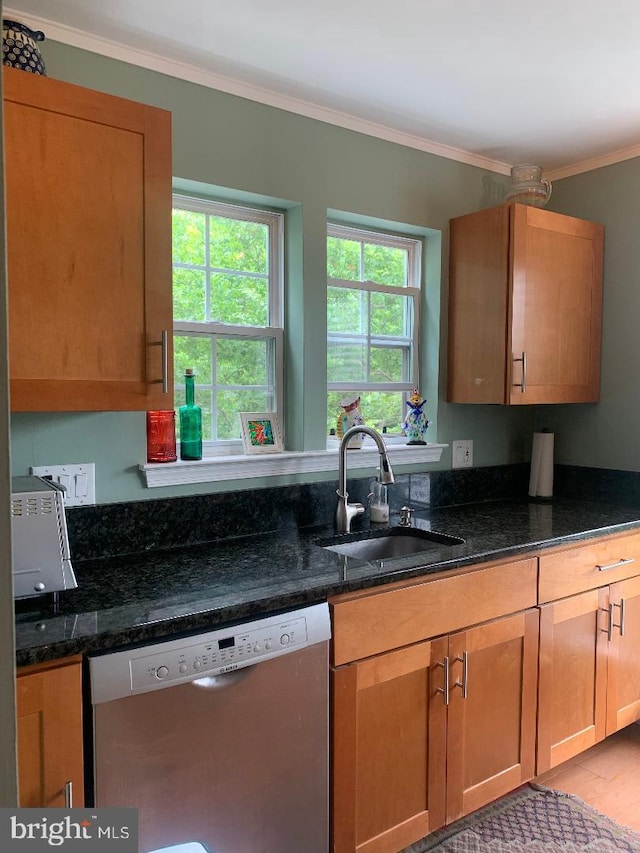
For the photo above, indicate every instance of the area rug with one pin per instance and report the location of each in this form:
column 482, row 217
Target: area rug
column 533, row 819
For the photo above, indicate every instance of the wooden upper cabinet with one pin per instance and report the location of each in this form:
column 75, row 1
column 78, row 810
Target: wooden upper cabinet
column 525, row 307
column 88, row 210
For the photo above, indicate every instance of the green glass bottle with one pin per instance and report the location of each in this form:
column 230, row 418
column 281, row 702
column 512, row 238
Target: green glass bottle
column 190, row 417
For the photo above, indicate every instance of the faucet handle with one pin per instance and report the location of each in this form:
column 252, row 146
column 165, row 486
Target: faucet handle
column 405, row 516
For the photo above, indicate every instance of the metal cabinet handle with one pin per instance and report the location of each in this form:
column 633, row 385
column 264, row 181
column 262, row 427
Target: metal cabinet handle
column 68, row 795
column 165, row 361
column 444, row 690
column 608, row 566
column 619, row 624
column 523, row 383
column 464, row 660
column 612, row 623
column 609, row 629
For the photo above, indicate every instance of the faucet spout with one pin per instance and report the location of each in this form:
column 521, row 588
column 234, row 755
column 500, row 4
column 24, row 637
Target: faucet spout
column 345, row 511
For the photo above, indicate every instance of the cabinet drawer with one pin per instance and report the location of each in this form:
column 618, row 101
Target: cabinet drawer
column 586, row 567
column 371, row 623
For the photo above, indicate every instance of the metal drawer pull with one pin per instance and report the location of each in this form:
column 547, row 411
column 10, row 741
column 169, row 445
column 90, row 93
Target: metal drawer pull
column 608, row 566
column 444, row 690
column 464, row 660
column 165, row 362
column 523, row 383
column 68, row 795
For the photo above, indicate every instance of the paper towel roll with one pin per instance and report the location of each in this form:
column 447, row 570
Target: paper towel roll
column 541, row 479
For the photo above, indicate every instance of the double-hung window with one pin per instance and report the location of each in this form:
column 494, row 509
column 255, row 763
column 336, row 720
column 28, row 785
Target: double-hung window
column 227, row 308
column 373, row 298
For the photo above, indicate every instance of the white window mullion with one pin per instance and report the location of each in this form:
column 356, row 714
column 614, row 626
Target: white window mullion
column 207, row 259
column 368, row 350
column 214, row 387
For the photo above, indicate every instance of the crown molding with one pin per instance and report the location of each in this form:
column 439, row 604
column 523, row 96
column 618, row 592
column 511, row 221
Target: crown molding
column 231, row 86
column 190, row 73
column 594, row 163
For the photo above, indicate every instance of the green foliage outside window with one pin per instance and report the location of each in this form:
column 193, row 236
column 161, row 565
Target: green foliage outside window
column 221, row 275
column 369, row 332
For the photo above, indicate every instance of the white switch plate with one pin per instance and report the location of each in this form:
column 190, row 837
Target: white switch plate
column 79, row 481
column 462, row 454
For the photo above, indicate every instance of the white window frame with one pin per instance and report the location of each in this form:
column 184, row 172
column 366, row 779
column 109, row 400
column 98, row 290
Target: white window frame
column 411, row 289
column 273, row 332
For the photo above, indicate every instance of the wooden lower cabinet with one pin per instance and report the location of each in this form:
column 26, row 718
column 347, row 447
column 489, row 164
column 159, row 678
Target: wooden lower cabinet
column 50, row 745
column 573, row 677
column 410, row 753
column 491, row 731
column 623, row 669
column 388, row 751
column 589, row 683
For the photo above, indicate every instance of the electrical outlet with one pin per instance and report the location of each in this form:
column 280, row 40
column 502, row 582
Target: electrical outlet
column 78, row 480
column 462, row 454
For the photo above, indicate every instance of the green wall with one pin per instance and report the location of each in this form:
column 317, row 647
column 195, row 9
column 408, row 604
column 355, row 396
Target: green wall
column 229, row 142
column 607, row 434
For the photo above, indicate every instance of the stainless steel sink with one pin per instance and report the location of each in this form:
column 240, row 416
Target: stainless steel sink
column 389, row 543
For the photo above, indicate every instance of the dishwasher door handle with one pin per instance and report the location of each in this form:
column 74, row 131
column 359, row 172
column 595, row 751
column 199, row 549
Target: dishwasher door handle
column 224, row 679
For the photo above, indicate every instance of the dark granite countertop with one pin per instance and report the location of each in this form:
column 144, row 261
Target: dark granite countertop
column 159, row 594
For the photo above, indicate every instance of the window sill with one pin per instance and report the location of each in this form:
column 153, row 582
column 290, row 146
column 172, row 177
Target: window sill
column 242, row 467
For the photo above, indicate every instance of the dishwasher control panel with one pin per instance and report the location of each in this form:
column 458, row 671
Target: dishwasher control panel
column 118, row 674
column 219, row 654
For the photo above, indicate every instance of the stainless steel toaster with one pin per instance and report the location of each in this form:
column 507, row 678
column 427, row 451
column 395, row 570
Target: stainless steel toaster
column 40, row 543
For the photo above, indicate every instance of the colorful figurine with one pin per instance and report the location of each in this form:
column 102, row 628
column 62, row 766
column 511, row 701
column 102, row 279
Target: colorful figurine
column 416, row 423
column 348, row 417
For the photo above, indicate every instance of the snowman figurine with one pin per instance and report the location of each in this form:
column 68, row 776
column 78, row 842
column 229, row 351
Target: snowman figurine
column 416, row 423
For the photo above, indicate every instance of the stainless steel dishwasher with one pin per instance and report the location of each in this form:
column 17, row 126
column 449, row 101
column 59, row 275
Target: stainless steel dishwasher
column 220, row 738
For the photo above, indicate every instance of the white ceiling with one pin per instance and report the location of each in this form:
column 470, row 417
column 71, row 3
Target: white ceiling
column 498, row 82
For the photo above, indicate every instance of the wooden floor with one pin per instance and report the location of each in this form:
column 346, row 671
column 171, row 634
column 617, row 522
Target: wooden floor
column 607, row 776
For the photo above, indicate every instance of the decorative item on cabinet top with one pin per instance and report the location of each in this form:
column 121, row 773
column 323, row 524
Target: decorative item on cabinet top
column 19, row 49
column 528, row 186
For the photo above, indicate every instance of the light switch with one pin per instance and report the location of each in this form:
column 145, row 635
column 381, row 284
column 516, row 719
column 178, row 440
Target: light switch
column 81, row 485
column 79, row 480
column 462, row 454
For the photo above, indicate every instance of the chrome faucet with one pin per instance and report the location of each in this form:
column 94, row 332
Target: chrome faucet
column 345, row 511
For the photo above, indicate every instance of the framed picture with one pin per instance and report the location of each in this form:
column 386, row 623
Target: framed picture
column 261, row 432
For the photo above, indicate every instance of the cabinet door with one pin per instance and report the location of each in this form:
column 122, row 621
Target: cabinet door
column 50, row 752
column 88, row 210
column 556, row 307
column 387, row 751
column 573, row 675
column 623, row 683
column 478, row 306
column 492, row 711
